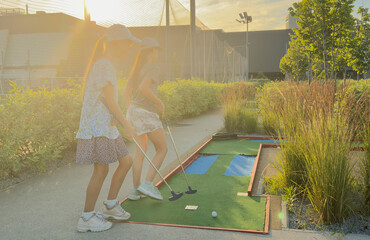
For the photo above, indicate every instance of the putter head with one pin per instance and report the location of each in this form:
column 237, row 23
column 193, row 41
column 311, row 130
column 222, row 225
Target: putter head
column 175, row 196
column 191, row 191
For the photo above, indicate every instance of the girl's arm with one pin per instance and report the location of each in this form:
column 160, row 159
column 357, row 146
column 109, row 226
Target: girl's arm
column 113, row 106
column 147, row 92
column 126, row 94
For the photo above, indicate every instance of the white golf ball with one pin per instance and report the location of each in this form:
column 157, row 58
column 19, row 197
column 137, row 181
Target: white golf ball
column 214, row 214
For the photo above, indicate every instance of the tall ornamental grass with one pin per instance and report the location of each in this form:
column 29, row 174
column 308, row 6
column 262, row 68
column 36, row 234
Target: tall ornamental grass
column 239, row 107
column 326, row 150
column 240, row 118
column 270, row 101
column 365, row 167
column 317, row 123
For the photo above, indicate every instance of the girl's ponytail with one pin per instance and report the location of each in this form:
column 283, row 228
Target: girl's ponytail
column 97, row 53
column 141, row 60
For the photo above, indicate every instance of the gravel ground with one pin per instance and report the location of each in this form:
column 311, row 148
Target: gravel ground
column 303, row 216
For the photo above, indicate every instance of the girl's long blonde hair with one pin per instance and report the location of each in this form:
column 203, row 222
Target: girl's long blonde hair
column 97, row 53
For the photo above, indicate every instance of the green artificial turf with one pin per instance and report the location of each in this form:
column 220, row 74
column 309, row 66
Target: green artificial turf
column 215, row 193
column 242, row 147
column 234, row 146
column 357, row 144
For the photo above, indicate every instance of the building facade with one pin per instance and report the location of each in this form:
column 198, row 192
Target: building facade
column 35, row 48
column 40, row 47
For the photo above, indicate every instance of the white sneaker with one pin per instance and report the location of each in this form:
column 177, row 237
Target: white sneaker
column 135, row 195
column 96, row 223
column 116, row 212
column 150, row 191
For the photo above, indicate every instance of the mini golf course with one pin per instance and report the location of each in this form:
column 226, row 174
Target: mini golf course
column 221, row 172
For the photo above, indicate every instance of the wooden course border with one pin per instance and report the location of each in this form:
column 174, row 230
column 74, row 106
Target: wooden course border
column 254, row 170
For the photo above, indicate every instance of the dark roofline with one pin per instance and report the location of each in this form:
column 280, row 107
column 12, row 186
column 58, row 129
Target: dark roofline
column 159, row 26
column 260, row 31
column 41, row 14
column 162, row 27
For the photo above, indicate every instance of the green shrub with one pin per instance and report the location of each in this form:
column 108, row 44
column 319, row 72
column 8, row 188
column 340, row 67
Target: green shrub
column 187, row 98
column 36, row 127
column 261, row 75
column 259, row 82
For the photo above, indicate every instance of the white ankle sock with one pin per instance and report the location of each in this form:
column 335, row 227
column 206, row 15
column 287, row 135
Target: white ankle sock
column 87, row 215
column 111, row 203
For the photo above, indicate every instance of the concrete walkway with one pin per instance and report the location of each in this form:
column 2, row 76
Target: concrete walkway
column 48, row 206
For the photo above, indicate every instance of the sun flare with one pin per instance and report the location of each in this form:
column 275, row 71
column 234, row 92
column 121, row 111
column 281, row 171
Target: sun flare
column 104, row 10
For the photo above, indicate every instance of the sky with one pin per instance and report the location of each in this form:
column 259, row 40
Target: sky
column 266, row 14
column 215, row 14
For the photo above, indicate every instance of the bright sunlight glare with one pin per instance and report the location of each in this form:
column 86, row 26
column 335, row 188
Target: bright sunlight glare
column 103, row 10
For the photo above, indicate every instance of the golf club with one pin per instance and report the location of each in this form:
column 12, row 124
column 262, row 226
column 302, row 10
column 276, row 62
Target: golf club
column 174, row 195
column 190, row 191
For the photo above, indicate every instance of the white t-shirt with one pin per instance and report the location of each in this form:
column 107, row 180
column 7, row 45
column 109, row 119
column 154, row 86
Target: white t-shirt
column 95, row 117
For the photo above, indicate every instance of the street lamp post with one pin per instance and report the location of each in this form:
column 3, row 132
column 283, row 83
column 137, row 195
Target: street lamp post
column 245, row 19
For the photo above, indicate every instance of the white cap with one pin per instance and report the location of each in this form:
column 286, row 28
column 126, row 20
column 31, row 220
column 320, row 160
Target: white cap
column 119, row 32
column 149, row 42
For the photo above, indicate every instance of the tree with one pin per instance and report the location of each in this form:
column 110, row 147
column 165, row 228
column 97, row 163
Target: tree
column 324, row 29
column 295, row 61
column 341, row 29
column 307, row 33
column 361, row 44
column 342, row 62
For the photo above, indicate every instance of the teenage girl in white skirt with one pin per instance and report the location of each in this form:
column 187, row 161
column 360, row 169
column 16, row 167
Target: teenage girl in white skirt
column 144, row 112
column 98, row 140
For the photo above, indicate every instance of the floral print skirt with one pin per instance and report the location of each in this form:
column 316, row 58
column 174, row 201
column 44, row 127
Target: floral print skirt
column 101, row 150
column 143, row 121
